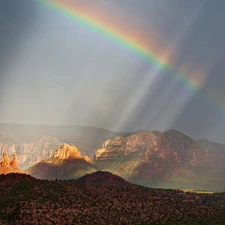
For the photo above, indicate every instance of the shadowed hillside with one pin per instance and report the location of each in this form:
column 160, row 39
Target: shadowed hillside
column 213, row 146
column 104, row 179
column 25, row 200
column 66, row 163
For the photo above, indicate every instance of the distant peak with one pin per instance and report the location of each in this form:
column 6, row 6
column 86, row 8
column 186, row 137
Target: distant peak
column 156, row 132
column 203, row 139
column 176, row 132
column 173, row 131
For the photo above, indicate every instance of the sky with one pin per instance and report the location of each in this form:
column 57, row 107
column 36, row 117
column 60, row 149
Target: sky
column 57, row 70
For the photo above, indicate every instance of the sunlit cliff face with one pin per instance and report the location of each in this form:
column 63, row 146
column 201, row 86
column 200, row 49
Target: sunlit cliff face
column 66, row 151
column 9, row 166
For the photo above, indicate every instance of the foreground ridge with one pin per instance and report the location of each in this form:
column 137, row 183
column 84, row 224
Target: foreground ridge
column 32, row 201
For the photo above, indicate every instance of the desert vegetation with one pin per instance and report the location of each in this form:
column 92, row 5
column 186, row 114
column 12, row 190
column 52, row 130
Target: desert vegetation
column 26, row 200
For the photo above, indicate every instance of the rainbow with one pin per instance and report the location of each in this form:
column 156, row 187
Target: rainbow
column 90, row 22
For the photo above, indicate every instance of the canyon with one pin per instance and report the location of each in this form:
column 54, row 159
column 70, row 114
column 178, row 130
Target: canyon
column 33, row 143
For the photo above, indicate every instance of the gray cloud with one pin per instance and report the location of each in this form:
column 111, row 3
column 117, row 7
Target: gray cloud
column 54, row 71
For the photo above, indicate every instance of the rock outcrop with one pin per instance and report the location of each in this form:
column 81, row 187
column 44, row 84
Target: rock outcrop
column 66, row 163
column 5, row 160
column 66, row 151
column 14, row 161
column 7, row 166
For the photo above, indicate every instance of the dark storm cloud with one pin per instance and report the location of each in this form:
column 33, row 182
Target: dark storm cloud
column 16, row 17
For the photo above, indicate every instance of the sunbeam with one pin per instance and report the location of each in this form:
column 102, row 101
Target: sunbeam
column 95, row 64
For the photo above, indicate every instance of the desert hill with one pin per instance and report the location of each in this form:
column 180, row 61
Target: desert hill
column 30, row 201
column 14, row 178
column 103, row 179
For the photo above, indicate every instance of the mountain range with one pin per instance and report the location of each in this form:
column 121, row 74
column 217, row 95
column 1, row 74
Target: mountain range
column 162, row 159
column 33, row 143
column 156, row 159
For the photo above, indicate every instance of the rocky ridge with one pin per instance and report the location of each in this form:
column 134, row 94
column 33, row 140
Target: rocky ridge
column 162, row 158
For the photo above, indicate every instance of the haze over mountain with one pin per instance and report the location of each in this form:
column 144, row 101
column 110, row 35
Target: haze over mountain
column 33, row 143
column 155, row 159
column 211, row 145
